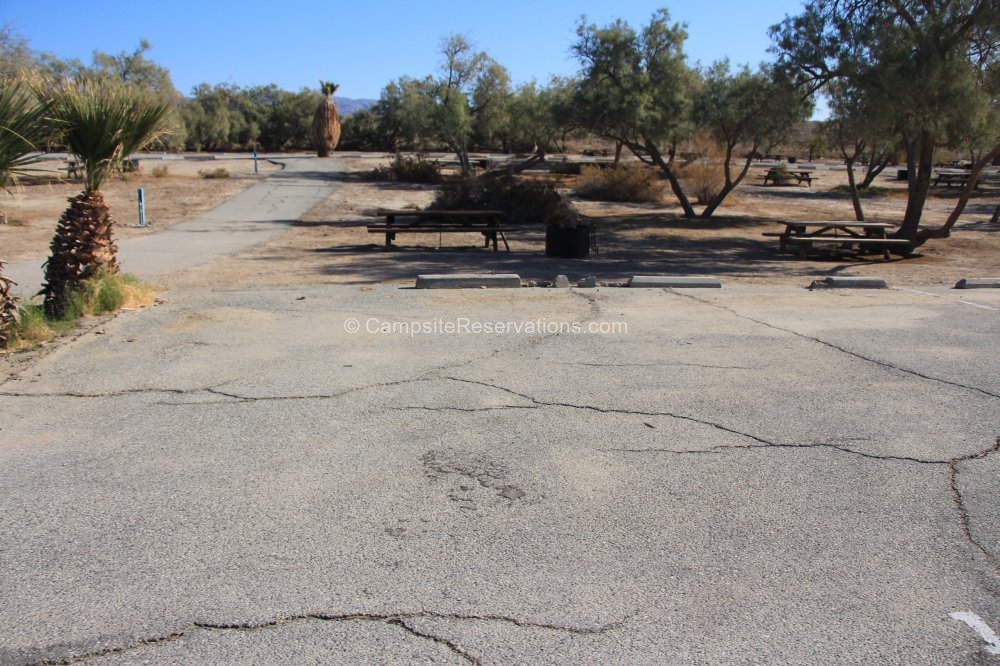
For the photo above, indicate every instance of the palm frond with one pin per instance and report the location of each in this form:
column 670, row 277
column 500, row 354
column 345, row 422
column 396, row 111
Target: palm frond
column 328, row 88
column 22, row 119
column 104, row 122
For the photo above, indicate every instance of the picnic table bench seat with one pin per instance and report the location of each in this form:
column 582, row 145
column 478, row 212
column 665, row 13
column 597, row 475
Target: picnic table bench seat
column 489, row 223
column 805, row 243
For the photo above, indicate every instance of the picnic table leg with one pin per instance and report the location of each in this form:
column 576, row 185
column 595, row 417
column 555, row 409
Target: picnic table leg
column 389, row 221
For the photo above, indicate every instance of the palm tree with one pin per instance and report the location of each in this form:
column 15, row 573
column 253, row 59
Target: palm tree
column 22, row 120
column 103, row 122
column 326, row 121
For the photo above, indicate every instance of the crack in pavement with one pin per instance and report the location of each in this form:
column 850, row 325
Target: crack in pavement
column 721, row 448
column 844, row 350
column 611, row 410
column 952, row 463
column 462, row 409
column 661, row 365
column 953, row 471
column 393, row 619
column 959, row 501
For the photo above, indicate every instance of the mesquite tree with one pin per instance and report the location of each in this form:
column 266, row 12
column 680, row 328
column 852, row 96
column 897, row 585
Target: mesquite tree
column 929, row 65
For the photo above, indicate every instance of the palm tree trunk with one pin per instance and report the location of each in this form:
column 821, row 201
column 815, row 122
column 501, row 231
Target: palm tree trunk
column 8, row 308
column 82, row 247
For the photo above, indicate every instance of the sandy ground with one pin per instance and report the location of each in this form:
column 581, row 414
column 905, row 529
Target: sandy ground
column 34, row 208
column 331, row 244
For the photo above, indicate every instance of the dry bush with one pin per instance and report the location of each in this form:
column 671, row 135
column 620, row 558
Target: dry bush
column 220, row 172
column 522, row 201
column 405, row 169
column 703, row 179
column 702, row 176
column 622, row 183
column 160, row 171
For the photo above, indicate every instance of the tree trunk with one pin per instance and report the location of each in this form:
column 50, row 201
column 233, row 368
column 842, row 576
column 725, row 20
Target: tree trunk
column 82, row 247
column 729, row 184
column 920, row 164
column 668, row 170
column 618, row 152
column 859, row 213
column 513, row 169
column 977, row 168
column 876, row 165
column 463, row 162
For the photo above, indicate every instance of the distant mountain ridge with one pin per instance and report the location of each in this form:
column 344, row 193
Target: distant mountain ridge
column 347, row 106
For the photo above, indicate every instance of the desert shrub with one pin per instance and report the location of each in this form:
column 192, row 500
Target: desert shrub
column 703, row 179
column 405, row 169
column 160, row 170
column 220, row 172
column 634, row 184
column 523, row 201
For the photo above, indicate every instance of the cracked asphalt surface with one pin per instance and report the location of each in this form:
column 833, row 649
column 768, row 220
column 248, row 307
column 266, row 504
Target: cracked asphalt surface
column 757, row 474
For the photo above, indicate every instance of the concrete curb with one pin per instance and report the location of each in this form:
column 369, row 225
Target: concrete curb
column 665, row 281
column 849, row 283
column 469, row 281
column 978, row 283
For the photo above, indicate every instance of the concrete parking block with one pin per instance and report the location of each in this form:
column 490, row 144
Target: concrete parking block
column 672, row 282
column 469, row 281
column 978, row 283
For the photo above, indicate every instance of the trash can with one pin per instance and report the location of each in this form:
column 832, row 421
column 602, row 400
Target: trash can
column 567, row 242
column 902, row 174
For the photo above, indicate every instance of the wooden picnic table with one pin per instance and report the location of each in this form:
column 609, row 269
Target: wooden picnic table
column 489, row 223
column 803, row 235
column 779, row 176
column 949, row 177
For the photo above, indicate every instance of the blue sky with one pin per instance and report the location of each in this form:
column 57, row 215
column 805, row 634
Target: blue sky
column 364, row 44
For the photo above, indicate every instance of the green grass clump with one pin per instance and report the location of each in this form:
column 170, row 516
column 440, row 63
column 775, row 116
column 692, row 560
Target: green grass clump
column 104, row 294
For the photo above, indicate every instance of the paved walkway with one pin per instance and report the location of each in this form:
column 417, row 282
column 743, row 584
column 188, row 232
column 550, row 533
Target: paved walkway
column 253, row 216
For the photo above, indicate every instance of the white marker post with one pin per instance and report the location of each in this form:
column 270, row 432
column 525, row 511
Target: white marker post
column 142, row 208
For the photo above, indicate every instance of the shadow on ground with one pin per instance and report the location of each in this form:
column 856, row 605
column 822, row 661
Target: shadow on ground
column 626, row 245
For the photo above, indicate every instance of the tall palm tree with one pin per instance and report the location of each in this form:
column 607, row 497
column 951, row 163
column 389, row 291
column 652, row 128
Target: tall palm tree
column 22, row 120
column 326, row 121
column 103, row 122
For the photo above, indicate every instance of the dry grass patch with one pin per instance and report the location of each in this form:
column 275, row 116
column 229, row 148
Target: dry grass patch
column 622, row 183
